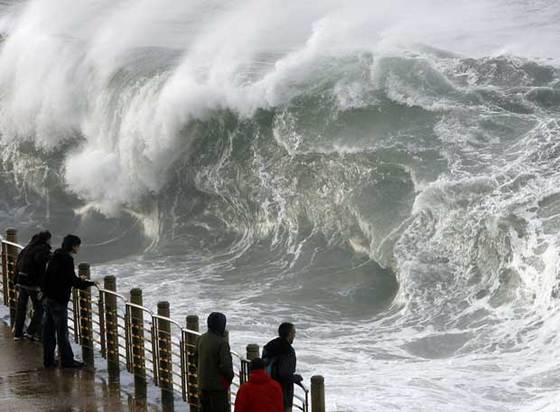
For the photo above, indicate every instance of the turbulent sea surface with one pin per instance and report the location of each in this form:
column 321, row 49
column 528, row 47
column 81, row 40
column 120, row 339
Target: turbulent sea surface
column 387, row 177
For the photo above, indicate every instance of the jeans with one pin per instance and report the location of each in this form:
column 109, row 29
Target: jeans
column 34, row 328
column 55, row 330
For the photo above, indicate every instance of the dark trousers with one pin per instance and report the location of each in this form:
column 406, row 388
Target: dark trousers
column 55, row 330
column 214, row 401
column 34, row 327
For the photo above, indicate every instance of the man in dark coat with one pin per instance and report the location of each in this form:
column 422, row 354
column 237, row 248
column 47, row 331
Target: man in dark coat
column 30, row 266
column 280, row 358
column 57, row 286
column 261, row 393
column 215, row 366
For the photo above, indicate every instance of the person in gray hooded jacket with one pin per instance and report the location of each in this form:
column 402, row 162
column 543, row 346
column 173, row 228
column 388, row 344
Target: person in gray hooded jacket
column 215, row 366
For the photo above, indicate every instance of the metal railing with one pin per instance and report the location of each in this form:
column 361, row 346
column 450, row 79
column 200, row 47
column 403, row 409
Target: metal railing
column 150, row 345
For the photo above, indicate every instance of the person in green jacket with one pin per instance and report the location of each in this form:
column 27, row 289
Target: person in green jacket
column 215, row 366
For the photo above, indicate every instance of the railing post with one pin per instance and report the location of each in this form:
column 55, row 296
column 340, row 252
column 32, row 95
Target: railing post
column 11, row 256
column 192, row 363
column 155, row 350
column 317, row 394
column 86, row 323
column 111, row 326
column 165, row 372
column 76, row 314
column 252, row 351
column 128, row 339
column 5, row 274
column 184, row 366
column 102, row 323
column 138, row 352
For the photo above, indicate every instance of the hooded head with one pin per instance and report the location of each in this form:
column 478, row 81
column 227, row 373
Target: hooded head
column 41, row 237
column 44, row 236
column 217, row 323
column 256, row 364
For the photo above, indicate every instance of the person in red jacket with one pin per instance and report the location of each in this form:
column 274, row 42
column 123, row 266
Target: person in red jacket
column 261, row 393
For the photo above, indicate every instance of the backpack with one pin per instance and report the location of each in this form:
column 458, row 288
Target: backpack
column 25, row 271
column 18, row 268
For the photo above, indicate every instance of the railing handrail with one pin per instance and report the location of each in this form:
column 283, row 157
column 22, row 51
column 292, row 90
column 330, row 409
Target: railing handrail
column 111, row 292
column 143, row 308
column 7, row 242
column 165, row 318
column 192, row 332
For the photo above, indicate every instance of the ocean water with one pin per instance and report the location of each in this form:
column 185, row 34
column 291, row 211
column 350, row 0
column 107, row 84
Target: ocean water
column 385, row 176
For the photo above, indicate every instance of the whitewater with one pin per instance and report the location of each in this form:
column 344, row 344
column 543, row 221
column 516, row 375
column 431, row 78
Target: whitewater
column 385, row 175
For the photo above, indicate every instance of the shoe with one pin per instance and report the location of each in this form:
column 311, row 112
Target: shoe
column 18, row 338
column 30, row 337
column 74, row 364
column 50, row 365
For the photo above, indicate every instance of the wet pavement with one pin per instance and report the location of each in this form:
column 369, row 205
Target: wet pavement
column 26, row 386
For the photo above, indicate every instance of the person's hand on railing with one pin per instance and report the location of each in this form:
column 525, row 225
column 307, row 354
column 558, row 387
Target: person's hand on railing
column 297, row 378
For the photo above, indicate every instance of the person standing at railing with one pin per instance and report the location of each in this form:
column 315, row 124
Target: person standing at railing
column 280, row 359
column 215, row 366
column 59, row 279
column 30, row 267
column 261, row 393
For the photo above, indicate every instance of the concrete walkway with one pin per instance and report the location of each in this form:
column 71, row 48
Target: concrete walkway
column 26, row 386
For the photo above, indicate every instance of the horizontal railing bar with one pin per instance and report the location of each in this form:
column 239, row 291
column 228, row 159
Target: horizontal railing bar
column 192, row 332
column 7, row 242
column 299, row 397
column 165, row 318
column 110, row 292
column 134, row 305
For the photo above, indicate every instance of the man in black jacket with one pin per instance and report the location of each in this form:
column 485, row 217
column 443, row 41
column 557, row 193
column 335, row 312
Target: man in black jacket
column 59, row 280
column 30, row 266
column 280, row 358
